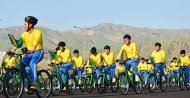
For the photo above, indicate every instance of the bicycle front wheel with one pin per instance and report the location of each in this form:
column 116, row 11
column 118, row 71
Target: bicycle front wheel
column 152, row 83
column 44, row 84
column 56, row 85
column 123, row 84
column 13, row 84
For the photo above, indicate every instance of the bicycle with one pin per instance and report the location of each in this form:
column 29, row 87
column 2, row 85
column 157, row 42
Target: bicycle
column 2, row 73
column 105, row 81
column 182, row 80
column 125, row 82
column 155, row 80
column 90, row 80
column 173, row 80
column 13, row 82
column 143, row 81
column 76, row 80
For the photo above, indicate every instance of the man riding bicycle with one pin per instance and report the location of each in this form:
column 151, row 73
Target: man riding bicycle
column 64, row 56
column 131, row 55
column 97, row 59
column 158, row 57
column 108, row 60
column 143, row 69
column 32, row 38
column 184, row 61
column 78, row 65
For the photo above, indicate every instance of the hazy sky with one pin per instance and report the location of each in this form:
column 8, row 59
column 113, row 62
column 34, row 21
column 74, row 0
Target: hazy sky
column 64, row 14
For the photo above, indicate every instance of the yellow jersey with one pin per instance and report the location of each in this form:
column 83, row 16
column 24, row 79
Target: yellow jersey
column 158, row 56
column 129, row 50
column 64, row 56
column 121, row 69
column 150, row 67
column 56, row 60
column 33, row 39
column 184, row 61
column 10, row 62
column 142, row 66
column 108, row 59
column 174, row 66
column 95, row 58
column 78, row 62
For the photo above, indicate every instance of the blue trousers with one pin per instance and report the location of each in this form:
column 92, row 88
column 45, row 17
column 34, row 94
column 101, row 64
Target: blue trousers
column 32, row 60
column 79, row 72
column 98, row 70
column 160, row 67
column 145, row 74
column 173, row 73
column 110, row 70
column 186, row 69
column 132, row 63
column 64, row 68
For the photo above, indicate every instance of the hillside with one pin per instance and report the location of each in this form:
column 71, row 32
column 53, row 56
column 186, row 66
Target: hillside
column 108, row 34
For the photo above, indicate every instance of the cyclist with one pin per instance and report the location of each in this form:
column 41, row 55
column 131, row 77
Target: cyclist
column 10, row 60
column 121, row 68
column 64, row 55
column 97, row 59
column 158, row 57
column 184, row 61
column 55, row 61
column 143, row 69
column 131, row 55
column 174, row 68
column 108, row 60
column 150, row 66
column 78, row 64
column 32, row 38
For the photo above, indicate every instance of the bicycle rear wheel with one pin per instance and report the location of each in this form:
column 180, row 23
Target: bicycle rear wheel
column 56, row 85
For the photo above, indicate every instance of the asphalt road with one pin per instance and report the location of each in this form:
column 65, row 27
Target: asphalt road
column 170, row 93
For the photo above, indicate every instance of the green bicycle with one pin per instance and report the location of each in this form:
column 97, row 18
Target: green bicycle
column 173, row 80
column 90, row 81
column 59, row 84
column 2, row 73
column 155, row 80
column 105, row 81
column 126, row 81
column 144, row 85
column 182, row 81
column 13, row 82
column 76, row 79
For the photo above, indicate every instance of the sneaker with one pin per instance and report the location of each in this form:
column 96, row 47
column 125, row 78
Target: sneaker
column 113, row 80
column 79, row 81
column 151, row 85
column 64, row 88
column 94, row 85
column 99, row 81
column 188, row 84
column 163, row 79
column 69, row 82
column 33, row 86
column 137, row 78
column 25, row 89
